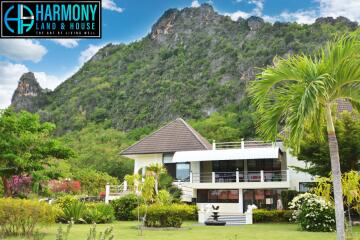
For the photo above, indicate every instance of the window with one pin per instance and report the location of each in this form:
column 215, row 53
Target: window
column 182, row 171
column 217, row 196
column 305, row 186
column 168, row 157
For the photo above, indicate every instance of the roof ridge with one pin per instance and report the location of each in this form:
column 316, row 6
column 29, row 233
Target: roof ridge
column 197, row 135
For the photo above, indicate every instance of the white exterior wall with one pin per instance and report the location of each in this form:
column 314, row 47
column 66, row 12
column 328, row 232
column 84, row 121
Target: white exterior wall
column 297, row 177
column 144, row 160
column 224, row 207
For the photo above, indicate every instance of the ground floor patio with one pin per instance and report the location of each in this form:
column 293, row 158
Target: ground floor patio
column 193, row 231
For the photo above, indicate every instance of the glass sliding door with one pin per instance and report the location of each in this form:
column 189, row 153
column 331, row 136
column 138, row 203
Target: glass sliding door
column 262, row 198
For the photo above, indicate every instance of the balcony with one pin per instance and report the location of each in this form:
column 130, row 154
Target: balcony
column 240, row 177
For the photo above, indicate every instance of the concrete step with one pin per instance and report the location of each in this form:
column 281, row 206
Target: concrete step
column 233, row 219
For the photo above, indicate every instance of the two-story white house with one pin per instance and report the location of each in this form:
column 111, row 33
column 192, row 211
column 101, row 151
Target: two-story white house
column 232, row 175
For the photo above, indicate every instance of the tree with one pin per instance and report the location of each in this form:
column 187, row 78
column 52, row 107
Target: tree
column 302, row 90
column 351, row 186
column 26, row 145
column 155, row 170
column 316, row 153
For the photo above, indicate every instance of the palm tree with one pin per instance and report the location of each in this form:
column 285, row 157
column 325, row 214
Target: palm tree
column 155, row 170
column 302, row 91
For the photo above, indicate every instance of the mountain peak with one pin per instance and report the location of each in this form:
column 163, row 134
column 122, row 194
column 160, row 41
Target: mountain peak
column 28, row 88
column 175, row 21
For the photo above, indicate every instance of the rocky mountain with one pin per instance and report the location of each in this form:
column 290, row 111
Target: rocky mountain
column 28, row 94
column 193, row 62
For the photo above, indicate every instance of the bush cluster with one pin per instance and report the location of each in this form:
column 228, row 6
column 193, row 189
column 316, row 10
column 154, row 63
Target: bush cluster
column 172, row 215
column 21, row 216
column 263, row 215
column 124, row 207
column 313, row 213
column 74, row 210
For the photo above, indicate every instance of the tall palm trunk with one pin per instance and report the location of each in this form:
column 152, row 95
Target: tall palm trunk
column 336, row 172
column 7, row 189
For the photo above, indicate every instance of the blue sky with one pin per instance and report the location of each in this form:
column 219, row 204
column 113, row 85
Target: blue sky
column 125, row 21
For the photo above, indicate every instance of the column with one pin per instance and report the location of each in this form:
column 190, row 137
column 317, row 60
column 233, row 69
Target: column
column 107, row 193
column 241, row 203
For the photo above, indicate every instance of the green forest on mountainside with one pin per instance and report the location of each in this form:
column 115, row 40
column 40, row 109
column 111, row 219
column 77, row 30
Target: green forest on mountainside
column 194, row 64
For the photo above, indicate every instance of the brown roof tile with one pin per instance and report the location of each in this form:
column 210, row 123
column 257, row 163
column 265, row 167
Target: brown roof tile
column 175, row 136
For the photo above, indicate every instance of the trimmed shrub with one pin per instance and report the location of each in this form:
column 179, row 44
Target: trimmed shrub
column 287, row 196
column 21, row 216
column 124, row 206
column 313, row 213
column 65, row 200
column 158, row 215
column 263, row 215
column 99, row 213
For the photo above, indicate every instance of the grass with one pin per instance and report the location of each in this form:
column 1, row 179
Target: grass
column 192, row 231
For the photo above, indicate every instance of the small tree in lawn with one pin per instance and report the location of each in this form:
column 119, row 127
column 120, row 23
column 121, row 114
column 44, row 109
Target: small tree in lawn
column 351, row 190
column 26, row 144
column 155, row 170
column 303, row 90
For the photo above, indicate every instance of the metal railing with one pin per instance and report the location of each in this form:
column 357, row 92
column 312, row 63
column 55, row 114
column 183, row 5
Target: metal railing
column 241, row 145
column 239, row 176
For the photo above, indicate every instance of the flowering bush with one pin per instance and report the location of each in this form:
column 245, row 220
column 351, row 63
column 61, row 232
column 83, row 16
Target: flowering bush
column 66, row 186
column 313, row 213
column 20, row 185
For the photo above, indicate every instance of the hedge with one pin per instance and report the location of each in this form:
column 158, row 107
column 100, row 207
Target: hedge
column 124, row 207
column 21, row 216
column 172, row 215
column 263, row 215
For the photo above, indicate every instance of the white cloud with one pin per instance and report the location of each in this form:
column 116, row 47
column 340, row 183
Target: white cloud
column 335, row 8
column 10, row 75
column 256, row 11
column 68, row 43
column 88, row 53
column 195, row 4
column 111, row 5
column 22, row 49
column 325, row 8
column 305, row 16
column 259, row 7
column 236, row 15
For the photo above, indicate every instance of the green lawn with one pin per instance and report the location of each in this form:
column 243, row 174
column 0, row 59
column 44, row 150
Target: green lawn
column 192, row 231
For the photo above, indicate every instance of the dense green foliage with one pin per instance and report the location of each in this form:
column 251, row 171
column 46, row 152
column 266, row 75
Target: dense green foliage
column 271, row 216
column 26, row 146
column 72, row 210
column 159, row 215
column 99, row 213
column 93, row 182
column 316, row 153
column 98, row 148
column 21, row 217
column 125, row 205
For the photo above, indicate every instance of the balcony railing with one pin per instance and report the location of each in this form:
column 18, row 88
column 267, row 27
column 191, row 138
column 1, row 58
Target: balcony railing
column 239, row 176
column 243, row 144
